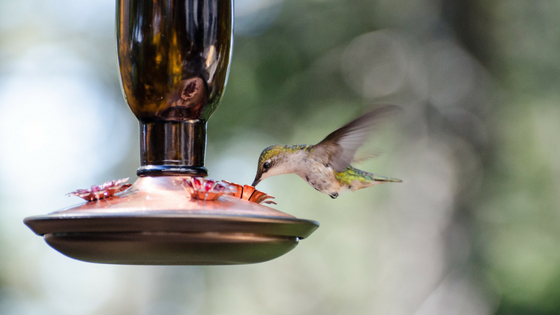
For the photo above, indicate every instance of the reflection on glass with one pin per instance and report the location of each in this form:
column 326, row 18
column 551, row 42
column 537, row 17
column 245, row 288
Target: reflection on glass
column 174, row 57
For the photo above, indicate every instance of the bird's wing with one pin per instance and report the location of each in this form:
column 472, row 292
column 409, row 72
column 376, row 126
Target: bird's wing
column 365, row 157
column 339, row 147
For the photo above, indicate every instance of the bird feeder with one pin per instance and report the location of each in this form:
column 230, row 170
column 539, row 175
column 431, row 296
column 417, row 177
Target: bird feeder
column 174, row 61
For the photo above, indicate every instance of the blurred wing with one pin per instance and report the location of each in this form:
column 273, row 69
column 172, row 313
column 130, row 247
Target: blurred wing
column 339, row 147
column 365, row 157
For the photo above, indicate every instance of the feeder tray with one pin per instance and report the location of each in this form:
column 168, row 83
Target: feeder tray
column 156, row 222
column 173, row 59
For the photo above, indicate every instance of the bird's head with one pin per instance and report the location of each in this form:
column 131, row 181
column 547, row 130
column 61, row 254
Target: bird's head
column 273, row 161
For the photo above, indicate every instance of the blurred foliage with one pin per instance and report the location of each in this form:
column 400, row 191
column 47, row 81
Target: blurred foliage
column 475, row 230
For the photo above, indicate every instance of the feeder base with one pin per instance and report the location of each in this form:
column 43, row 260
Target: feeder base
column 156, row 222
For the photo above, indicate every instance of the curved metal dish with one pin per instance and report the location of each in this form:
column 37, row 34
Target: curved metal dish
column 155, row 223
column 171, row 239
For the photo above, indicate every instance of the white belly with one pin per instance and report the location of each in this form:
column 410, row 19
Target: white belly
column 319, row 177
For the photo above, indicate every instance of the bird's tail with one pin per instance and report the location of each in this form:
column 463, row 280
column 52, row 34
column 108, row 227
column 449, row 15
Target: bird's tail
column 356, row 178
column 380, row 178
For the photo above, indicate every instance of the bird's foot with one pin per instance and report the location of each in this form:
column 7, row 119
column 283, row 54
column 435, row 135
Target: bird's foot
column 333, row 195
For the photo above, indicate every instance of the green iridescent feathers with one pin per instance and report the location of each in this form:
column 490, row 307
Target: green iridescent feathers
column 276, row 150
column 351, row 174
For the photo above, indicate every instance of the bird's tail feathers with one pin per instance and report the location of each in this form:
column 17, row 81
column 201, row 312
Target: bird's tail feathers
column 380, row 178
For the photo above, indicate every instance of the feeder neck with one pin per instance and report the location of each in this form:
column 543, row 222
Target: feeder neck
column 172, row 148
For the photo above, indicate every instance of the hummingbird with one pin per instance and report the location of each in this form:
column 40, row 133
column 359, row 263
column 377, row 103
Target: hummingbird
column 326, row 165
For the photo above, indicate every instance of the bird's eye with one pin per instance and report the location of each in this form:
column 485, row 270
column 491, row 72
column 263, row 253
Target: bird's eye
column 266, row 166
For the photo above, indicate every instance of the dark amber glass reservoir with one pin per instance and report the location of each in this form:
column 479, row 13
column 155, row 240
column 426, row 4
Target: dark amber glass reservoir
column 174, row 63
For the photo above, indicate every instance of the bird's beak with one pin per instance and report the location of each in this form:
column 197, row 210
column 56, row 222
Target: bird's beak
column 256, row 182
column 257, row 179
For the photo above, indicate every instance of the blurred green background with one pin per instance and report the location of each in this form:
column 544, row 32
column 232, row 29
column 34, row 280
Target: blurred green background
column 474, row 230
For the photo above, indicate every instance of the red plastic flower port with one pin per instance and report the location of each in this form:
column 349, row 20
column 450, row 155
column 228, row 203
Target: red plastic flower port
column 205, row 189
column 208, row 189
column 103, row 191
column 250, row 193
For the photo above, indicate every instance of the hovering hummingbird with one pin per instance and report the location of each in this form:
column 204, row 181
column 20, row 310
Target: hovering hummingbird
column 326, row 165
